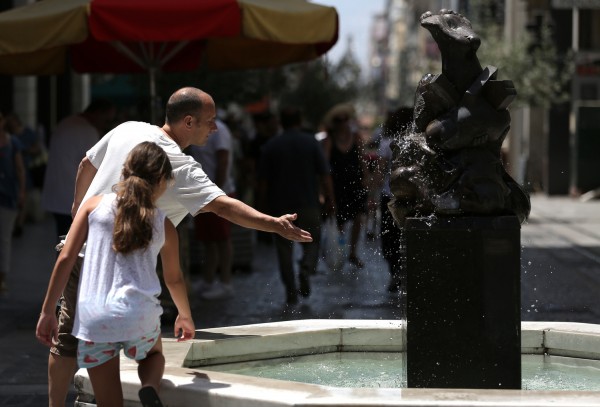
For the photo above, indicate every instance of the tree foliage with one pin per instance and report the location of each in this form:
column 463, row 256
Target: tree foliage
column 242, row 87
column 319, row 85
column 313, row 86
column 541, row 76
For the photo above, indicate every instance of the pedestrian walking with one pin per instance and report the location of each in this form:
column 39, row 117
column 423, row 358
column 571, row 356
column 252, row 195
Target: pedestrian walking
column 343, row 149
column 212, row 231
column 73, row 136
column 34, row 160
column 12, row 196
column 292, row 173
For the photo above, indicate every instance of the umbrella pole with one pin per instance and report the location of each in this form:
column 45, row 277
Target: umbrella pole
column 153, row 70
column 153, row 101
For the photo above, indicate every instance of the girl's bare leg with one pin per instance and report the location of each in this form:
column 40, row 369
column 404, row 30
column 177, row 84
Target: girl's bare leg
column 151, row 369
column 106, row 382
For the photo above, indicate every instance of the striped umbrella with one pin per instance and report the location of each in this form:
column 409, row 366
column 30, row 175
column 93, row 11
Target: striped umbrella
column 126, row 36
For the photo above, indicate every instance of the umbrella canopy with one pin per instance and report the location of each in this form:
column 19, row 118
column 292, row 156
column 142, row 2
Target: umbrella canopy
column 119, row 36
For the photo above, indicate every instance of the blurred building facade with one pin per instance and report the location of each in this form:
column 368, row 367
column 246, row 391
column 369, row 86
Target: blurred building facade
column 553, row 150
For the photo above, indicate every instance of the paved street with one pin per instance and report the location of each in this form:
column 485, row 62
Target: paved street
column 560, row 282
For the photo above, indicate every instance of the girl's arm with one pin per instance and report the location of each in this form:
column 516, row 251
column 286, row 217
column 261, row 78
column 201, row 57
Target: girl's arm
column 47, row 326
column 176, row 284
column 85, row 175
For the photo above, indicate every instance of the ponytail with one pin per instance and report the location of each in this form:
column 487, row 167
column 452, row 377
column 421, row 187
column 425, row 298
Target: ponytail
column 145, row 167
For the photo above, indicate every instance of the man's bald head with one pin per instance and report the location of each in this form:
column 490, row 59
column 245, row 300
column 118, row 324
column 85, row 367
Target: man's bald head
column 186, row 101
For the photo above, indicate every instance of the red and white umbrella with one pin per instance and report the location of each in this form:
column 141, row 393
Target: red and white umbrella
column 125, row 36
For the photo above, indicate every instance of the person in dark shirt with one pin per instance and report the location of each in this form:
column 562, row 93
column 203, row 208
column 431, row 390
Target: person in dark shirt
column 292, row 172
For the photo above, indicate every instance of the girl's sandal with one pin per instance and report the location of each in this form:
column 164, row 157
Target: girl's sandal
column 149, row 397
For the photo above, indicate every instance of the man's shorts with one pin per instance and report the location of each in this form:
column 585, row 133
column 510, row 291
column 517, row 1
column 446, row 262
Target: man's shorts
column 92, row 354
column 66, row 344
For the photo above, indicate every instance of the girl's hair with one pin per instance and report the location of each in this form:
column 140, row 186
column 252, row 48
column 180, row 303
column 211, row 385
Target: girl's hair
column 146, row 165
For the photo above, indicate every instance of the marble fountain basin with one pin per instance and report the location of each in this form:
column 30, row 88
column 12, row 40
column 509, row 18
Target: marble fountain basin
column 196, row 371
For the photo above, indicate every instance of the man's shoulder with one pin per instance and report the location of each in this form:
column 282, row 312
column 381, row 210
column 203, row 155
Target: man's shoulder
column 129, row 134
column 136, row 132
column 130, row 125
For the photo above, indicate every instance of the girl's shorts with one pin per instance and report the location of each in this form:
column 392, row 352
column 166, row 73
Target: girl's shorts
column 92, row 354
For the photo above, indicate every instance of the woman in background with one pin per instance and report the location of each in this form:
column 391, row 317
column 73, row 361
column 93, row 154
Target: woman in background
column 343, row 149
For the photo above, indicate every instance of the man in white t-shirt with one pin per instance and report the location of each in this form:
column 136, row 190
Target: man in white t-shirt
column 190, row 119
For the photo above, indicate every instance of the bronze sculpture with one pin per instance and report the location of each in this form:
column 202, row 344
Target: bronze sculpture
column 448, row 162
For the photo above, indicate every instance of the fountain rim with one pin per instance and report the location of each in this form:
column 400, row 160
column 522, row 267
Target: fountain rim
column 186, row 382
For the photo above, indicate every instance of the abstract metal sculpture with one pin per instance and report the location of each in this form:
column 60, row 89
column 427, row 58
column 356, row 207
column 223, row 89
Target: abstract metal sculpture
column 448, row 162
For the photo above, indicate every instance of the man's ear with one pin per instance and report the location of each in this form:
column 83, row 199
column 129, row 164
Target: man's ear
column 188, row 121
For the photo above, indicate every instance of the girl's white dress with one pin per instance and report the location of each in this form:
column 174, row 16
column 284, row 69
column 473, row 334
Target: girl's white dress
column 118, row 294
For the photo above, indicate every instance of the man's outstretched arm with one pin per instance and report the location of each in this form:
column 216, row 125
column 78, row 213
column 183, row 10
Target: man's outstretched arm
column 244, row 215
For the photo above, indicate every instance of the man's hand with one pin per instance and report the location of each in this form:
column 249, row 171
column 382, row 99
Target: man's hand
column 290, row 231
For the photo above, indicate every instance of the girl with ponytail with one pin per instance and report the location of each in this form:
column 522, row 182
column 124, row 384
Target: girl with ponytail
column 118, row 306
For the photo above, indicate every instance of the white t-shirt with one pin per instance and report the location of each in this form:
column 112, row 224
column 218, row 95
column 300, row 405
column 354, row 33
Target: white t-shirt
column 206, row 155
column 192, row 189
column 72, row 138
column 118, row 294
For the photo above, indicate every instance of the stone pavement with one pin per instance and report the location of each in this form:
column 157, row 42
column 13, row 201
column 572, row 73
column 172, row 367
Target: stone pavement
column 560, row 282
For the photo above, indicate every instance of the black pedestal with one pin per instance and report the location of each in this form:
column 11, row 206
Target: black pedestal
column 463, row 302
